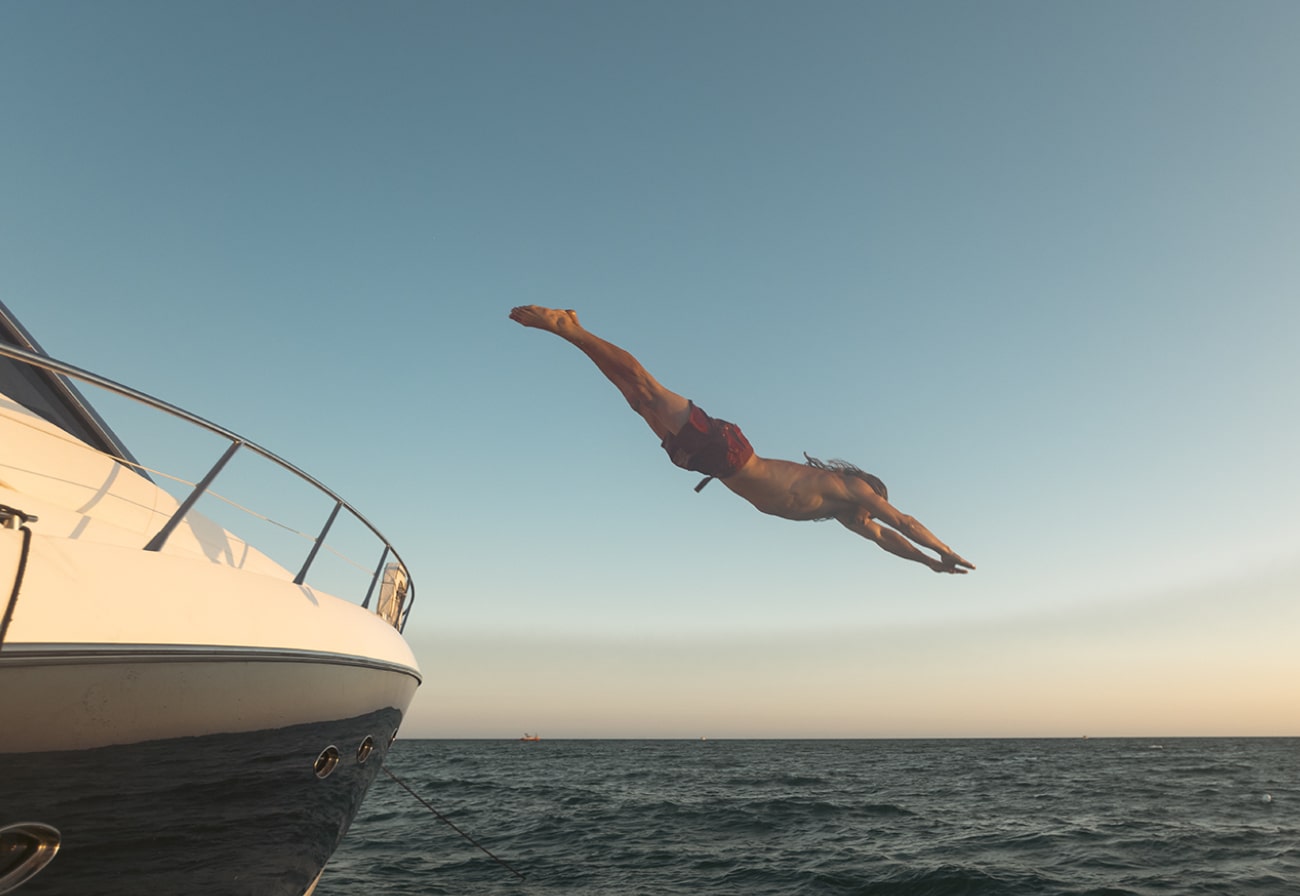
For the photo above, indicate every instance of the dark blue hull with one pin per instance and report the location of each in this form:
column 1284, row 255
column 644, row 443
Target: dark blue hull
column 217, row 815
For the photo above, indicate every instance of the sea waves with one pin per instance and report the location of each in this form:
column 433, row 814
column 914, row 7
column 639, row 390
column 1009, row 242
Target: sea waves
column 858, row 818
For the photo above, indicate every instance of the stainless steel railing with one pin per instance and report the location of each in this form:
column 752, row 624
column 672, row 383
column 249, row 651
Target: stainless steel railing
column 45, row 362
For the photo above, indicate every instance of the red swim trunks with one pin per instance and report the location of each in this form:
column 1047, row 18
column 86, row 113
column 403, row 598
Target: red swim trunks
column 709, row 446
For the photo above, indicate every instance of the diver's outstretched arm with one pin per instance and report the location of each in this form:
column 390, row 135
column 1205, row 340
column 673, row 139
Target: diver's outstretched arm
column 895, row 543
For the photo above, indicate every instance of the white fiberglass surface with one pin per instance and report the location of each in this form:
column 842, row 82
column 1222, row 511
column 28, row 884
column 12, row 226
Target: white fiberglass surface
column 89, row 579
column 81, row 493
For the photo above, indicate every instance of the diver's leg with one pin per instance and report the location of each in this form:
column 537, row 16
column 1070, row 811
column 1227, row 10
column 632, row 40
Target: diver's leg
column 666, row 412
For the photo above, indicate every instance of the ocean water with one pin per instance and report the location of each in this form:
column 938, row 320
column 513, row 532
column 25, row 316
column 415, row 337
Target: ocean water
column 1100, row 817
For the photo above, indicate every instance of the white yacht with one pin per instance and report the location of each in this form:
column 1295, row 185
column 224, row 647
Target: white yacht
column 179, row 713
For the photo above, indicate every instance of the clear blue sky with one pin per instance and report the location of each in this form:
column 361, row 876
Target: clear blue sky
column 1035, row 265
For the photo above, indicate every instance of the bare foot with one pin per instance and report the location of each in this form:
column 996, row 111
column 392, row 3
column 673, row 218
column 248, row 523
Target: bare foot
column 541, row 318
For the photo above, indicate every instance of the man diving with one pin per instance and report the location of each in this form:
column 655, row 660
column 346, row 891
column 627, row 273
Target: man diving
column 695, row 441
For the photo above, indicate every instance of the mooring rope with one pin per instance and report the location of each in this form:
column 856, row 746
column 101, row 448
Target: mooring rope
column 8, row 514
column 447, row 821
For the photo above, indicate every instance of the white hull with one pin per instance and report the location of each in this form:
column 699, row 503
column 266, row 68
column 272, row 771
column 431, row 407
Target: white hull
column 190, row 648
column 62, row 697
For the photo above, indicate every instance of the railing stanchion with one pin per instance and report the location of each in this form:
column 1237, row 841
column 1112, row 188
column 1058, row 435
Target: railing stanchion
column 320, row 539
column 157, row 542
column 383, row 558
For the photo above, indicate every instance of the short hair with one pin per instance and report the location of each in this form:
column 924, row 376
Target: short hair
column 845, row 468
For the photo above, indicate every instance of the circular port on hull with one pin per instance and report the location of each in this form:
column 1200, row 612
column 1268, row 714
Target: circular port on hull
column 25, row 849
column 363, row 752
column 327, row 761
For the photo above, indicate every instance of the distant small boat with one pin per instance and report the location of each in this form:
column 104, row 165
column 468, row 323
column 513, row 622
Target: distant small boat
column 530, row 738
